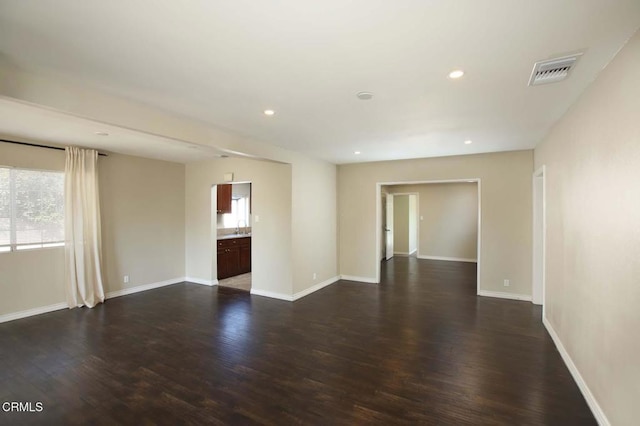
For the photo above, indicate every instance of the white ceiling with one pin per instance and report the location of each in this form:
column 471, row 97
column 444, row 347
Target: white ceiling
column 224, row 62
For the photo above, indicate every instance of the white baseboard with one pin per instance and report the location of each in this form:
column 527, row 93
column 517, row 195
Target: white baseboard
column 400, row 253
column 452, row 259
column 323, row 284
column 109, row 295
column 31, row 312
column 601, row 418
column 413, row 251
column 359, row 279
column 503, row 295
column 271, row 294
column 144, row 287
column 201, row 281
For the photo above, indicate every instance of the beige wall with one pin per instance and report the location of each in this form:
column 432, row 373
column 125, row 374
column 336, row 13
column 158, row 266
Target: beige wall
column 449, row 225
column 142, row 208
column 271, row 236
column 142, row 227
column 314, row 223
column 506, row 211
column 592, row 159
column 401, row 224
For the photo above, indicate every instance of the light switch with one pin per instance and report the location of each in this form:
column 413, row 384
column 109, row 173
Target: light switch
column 257, row 218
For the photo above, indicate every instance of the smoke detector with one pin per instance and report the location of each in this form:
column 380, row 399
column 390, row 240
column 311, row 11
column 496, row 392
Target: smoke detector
column 553, row 70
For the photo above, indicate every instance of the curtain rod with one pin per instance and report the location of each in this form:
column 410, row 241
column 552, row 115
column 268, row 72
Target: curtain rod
column 41, row 146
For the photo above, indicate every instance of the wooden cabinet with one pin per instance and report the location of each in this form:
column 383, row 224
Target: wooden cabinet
column 234, row 257
column 224, row 198
column 245, row 257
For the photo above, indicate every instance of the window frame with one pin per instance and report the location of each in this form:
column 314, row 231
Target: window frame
column 13, row 246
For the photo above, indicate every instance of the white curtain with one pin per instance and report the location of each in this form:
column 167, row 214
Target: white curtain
column 83, row 253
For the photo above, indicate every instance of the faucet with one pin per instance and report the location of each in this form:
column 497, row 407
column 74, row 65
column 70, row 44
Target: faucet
column 238, row 227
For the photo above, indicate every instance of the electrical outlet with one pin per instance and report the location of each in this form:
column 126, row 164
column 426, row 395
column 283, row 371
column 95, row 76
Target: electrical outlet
column 507, row 283
column 126, row 279
column 315, row 275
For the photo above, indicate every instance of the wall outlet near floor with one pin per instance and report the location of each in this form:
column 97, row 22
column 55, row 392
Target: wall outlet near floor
column 507, row 283
column 126, row 279
column 315, row 276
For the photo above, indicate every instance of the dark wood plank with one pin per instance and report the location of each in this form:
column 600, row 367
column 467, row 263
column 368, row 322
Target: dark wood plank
column 421, row 348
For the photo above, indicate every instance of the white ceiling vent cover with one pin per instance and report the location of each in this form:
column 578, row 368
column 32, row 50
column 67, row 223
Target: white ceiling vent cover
column 552, row 70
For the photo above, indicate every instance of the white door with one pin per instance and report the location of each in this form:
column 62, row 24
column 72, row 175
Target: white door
column 388, row 227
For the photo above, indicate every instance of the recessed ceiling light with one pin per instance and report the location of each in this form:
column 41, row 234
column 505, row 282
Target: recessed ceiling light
column 456, row 74
column 468, row 142
column 102, row 133
column 364, row 96
column 356, row 152
column 269, row 112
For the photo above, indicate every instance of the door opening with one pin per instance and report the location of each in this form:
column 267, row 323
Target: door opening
column 231, row 211
column 469, row 244
column 388, row 228
column 539, row 231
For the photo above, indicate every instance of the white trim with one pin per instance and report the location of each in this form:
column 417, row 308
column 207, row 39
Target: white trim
column 58, row 306
column 201, row 281
column 32, row 312
column 359, row 279
column 415, row 250
column 144, row 287
column 601, row 418
column 479, row 249
column 539, row 174
column 401, row 253
column 323, row 284
column 451, row 259
column 503, row 295
column 271, row 294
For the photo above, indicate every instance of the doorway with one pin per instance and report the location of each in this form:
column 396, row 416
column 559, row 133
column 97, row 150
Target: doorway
column 231, row 205
column 401, row 223
column 539, row 237
column 434, row 221
column 388, row 234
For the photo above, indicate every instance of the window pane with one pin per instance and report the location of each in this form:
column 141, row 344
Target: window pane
column 4, row 179
column 230, row 219
column 39, row 206
column 239, row 215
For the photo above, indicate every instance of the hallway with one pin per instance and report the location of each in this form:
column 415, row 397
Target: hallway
column 420, row 348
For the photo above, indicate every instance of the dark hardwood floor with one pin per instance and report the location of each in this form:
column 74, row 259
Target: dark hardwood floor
column 421, row 348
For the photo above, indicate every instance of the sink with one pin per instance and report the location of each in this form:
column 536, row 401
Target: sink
column 229, row 236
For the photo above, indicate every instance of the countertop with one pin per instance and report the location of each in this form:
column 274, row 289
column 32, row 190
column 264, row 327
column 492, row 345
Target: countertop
column 230, row 236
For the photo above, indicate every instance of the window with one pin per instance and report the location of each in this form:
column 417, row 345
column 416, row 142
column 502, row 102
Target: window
column 31, row 209
column 239, row 216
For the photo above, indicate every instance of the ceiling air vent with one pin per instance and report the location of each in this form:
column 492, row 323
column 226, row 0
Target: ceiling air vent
column 553, row 70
